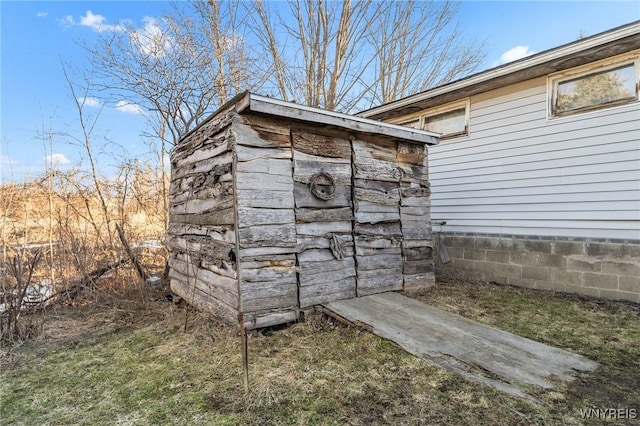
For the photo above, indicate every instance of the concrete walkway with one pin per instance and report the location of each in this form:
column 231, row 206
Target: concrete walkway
column 472, row 350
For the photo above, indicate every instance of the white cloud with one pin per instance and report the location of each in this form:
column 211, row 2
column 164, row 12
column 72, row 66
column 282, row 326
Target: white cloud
column 90, row 20
column 42, row 14
column 129, row 108
column 57, row 159
column 515, row 53
column 89, row 101
column 151, row 39
column 67, row 20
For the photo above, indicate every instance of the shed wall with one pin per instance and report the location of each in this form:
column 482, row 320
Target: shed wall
column 251, row 238
column 201, row 237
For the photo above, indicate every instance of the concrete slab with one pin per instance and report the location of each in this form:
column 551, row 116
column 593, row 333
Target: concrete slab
column 473, row 350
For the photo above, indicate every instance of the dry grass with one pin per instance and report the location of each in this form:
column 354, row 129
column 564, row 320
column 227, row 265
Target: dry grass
column 131, row 362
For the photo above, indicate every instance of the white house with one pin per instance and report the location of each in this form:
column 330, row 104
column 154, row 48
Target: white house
column 537, row 174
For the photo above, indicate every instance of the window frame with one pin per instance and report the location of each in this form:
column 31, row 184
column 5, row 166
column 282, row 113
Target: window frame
column 441, row 109
column 554, row 80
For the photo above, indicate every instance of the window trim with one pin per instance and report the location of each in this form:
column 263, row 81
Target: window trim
column 440, row 109
column 553, row 80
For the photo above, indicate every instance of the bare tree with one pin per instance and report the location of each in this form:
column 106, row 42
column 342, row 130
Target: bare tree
column 418, row 45
column 354, row 54
column 80, row 95
column 176, row 68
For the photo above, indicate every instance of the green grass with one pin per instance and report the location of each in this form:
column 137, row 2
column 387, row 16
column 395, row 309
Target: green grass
column 147, row 370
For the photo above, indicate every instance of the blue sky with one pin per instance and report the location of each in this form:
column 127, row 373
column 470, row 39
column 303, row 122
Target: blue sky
column 36, row 37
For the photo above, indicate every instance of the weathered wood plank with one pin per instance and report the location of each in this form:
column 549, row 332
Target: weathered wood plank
column 326, row 297
column 319, row 145
column 332, row 287
column 388, row 198
column 417, row 253
column 310, row 242
column 301, row 156
column 204, row 301
column 190, row 268
column 312, row 273
column 280, row 271
column 376, row 242
column 220, row 217
column 259, row 253
column 419, row 281
column 202, row 206
column 323, row 293
column 202, row 166
column 269, row 317
column 384, row 229
column 415, row 210
column 255, row 181
column 369, row 207
column 436, row 335
column 316, row 255
column 384, row 150
column 265, row 123
column 286, row 300
column 199, row 283
column 412, row 153
column 372, row 218
column 415, row 174
column 265, row 198
column 268, row 166
column 248, row 216
column 304, row 197
column 419, row 191
column 268, row 236
column 318, row 268
column 379, row 261
column 203, row 153
column 216, row 251
column 259, row 137
column 415, row 231
column 218, row 126
column 412, row 267
column 222, row 268
column 375, row 185
column 323, row 228
column 305, row 169
column 275, row 287
column 246, row 153
column 377, row 281
column 369, row 168
column 410, row 220
column 415, row 202
column 324, row 215
column 219, row 233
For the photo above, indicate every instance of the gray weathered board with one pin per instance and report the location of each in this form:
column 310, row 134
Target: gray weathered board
column 461, row 345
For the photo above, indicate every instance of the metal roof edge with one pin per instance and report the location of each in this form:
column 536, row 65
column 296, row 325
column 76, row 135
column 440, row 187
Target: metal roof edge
column 266, row 105
column 568, row 49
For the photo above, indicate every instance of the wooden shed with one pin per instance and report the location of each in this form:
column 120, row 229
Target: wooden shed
column 276, row 207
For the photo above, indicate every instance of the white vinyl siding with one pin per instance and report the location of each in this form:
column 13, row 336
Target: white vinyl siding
column 519, row 173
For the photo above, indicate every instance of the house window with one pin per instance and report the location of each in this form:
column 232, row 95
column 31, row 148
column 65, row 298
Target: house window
column 604, row 86
column 450, row 120
column 450, row 123
column 414, row 123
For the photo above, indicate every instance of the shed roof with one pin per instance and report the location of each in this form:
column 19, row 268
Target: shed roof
column 248, row 101
column 589, row 49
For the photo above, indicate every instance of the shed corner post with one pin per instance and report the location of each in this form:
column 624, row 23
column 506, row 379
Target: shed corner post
column 245, row 354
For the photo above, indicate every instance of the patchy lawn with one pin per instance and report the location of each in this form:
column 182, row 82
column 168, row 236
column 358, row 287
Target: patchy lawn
column 134, row 364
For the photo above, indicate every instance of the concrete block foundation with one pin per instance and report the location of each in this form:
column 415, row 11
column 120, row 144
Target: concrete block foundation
column 608, row 269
